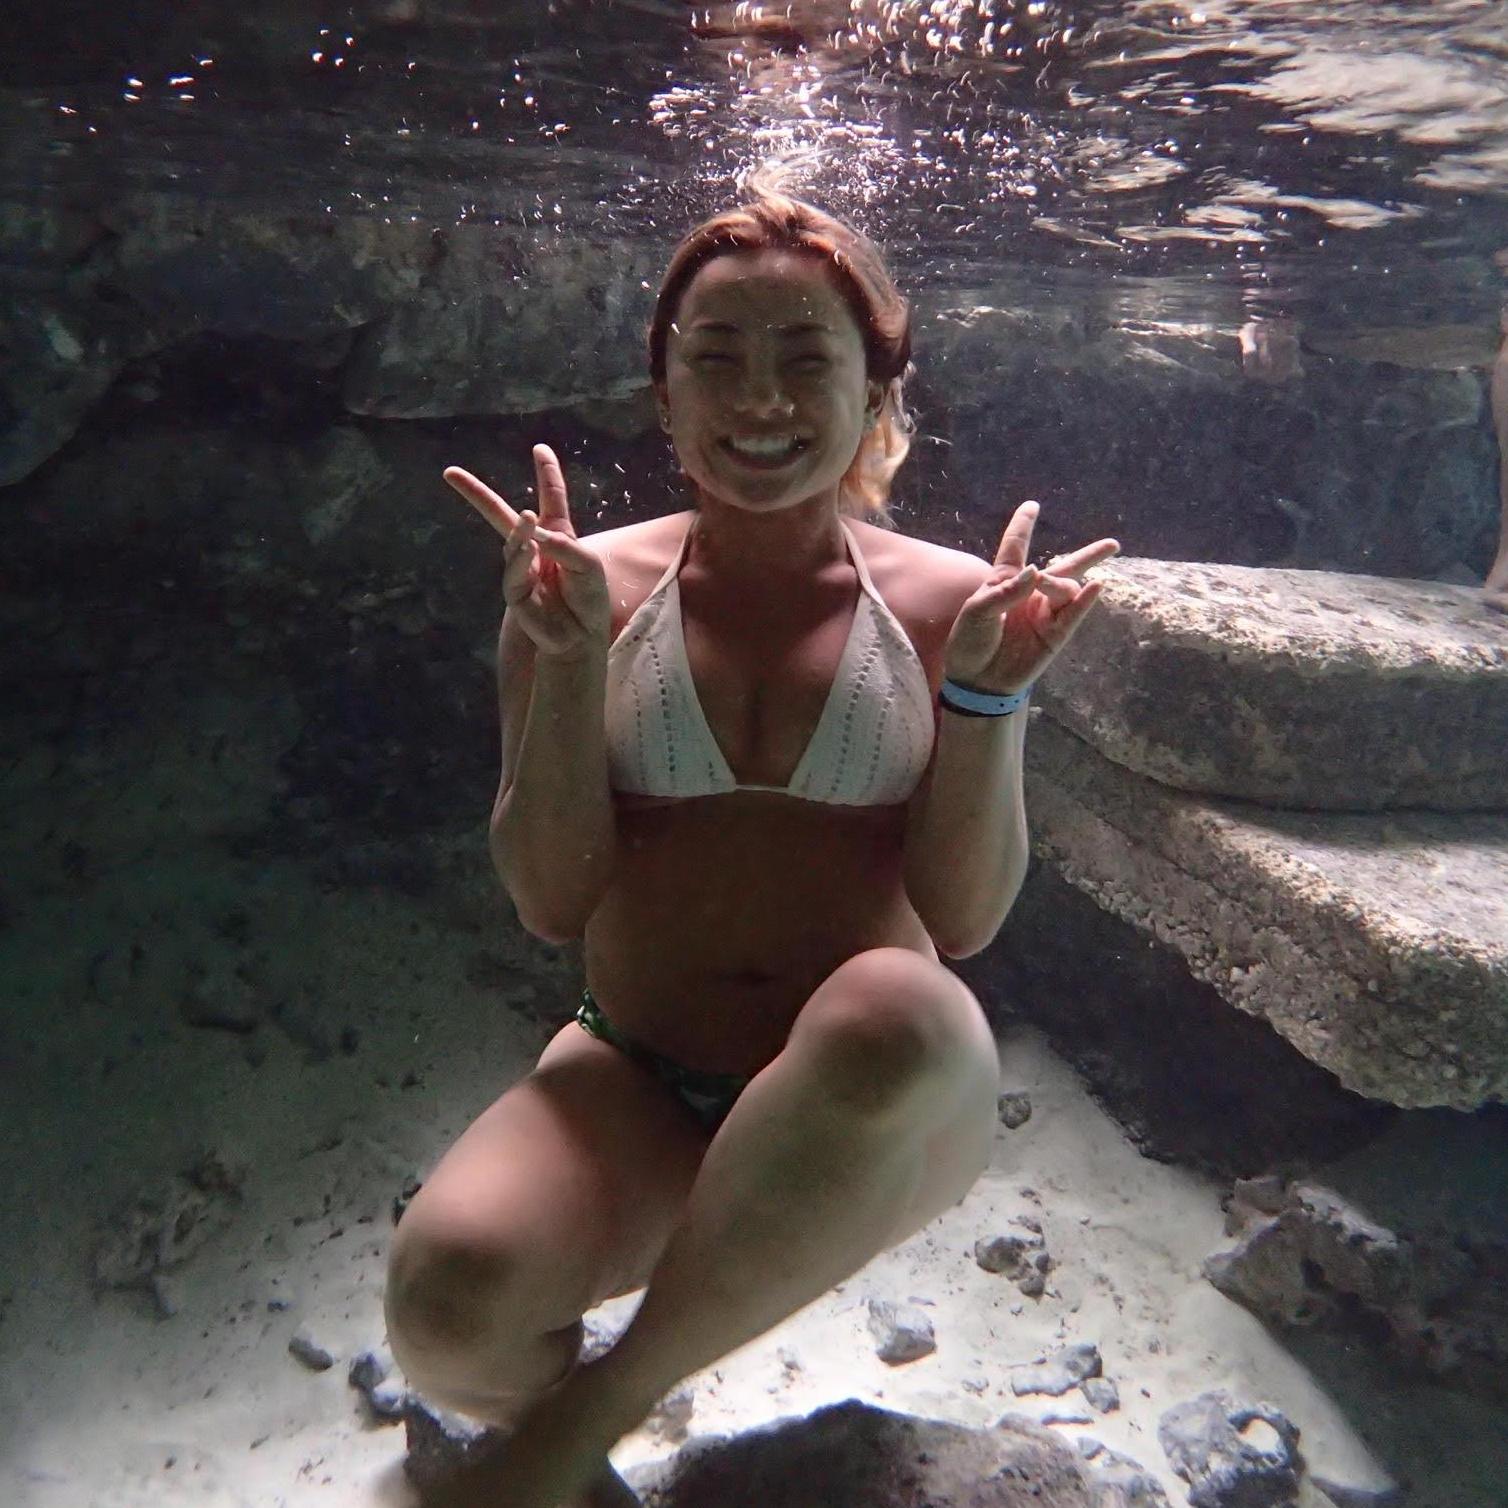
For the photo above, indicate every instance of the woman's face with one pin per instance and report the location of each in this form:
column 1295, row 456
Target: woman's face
column 764, row 348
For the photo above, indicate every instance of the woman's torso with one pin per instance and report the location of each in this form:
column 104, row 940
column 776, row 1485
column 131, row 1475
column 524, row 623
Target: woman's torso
column 725, row 912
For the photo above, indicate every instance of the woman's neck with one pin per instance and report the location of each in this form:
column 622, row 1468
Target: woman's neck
column 794, row 547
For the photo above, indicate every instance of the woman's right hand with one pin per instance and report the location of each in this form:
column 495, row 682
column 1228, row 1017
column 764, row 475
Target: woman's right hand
column 552, row 583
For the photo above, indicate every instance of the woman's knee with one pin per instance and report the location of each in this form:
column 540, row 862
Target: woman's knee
column 560, row 1194
column 463, row 1314
column 866, row 1027
column 454, row 1350
column 446, row 1290
column 883, row 1026
column 478, row 1254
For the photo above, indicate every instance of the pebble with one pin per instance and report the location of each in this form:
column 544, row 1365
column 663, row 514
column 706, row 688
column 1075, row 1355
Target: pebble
column 309, row 1351
column 903, row 1332
column 1061, row 1371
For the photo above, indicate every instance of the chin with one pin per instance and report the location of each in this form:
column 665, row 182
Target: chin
column 760, row 494
column 727, row 497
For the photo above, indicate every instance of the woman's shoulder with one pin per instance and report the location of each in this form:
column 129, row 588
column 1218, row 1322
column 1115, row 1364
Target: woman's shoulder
column 910, row 548
column 635, row 536
column 932, row 580
column 634, row 557
column 632, row 550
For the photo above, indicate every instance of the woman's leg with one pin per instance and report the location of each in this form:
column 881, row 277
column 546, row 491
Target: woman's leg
column 560, row 1194
column 1495, row 591
column 879, row 1114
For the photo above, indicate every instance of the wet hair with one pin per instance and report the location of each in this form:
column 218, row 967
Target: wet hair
column 774, row 221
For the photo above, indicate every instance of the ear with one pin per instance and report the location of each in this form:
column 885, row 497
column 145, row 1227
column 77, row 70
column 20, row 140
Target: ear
column 662, row 403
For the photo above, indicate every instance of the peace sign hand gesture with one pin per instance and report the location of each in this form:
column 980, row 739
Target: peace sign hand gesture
column 553, row 584
column 1019, row 618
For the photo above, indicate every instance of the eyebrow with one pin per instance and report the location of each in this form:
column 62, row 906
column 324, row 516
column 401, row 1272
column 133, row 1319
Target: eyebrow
column 722, row 327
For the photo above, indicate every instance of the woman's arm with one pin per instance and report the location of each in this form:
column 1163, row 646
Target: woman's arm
column 553, row 833
column 967, row 845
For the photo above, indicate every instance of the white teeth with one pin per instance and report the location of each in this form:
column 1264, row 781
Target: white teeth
column 765, row 448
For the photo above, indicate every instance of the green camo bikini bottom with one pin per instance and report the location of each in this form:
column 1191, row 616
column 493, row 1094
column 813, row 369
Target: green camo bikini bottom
column 708, row 1096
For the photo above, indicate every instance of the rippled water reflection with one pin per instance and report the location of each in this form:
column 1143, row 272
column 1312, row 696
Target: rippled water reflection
column 1332, row 153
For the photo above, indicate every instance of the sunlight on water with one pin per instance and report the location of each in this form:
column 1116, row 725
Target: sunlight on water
column 1161, row 134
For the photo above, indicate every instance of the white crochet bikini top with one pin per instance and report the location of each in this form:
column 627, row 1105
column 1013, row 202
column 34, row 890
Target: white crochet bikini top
column 871, row 744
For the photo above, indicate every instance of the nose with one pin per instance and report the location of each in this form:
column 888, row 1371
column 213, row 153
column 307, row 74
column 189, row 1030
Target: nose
column 761, row 391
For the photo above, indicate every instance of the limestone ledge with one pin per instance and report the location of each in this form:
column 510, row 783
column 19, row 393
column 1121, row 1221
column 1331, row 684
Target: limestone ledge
column 1376, row 944
column 1294, row 688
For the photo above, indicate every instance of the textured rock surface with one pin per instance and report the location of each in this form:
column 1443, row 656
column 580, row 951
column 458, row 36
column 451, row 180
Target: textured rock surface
column 855, row 1456
column 503, row 326
column 1207, row 1443
column 1377, row 945
column 1064, row 1369
column 1436, row 348
column 1191, row 1080
column 1292, row 688
column 1436, row 1297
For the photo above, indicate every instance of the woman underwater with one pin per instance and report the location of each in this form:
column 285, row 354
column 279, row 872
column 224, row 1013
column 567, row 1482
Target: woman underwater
column 764, row 757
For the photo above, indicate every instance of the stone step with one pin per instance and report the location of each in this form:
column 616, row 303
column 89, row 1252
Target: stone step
column 1293, row 688
column 1377, row 944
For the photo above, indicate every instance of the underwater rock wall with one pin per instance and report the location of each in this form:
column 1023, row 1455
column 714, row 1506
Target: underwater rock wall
column 1354, row 460
column 1295, row 778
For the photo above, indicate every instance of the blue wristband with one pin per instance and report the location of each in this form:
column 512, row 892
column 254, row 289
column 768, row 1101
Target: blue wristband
column 981, row 703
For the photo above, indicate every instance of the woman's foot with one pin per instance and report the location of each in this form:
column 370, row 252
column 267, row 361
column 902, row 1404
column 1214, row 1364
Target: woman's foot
column 1495, row 588
column 555, row 1455
column 609, row 1490
column 477, row 1490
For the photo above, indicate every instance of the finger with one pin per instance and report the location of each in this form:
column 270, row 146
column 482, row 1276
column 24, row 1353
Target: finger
column 517, row 579
column 1011, row 589
column 566, row 551
column 1059, row 590
column 522, row 537
column 520, row 569
column 483, row 499
column 1015, row 543
column 1062, row 626
column 1077, row 562
column 554, row 506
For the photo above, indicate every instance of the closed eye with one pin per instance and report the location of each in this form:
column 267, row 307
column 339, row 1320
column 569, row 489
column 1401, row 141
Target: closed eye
column 811, row 358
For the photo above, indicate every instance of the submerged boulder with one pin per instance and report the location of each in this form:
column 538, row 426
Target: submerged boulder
column 852, row 1455
column 1433, row 1297
column 1209, row 1443
column 846, row 1455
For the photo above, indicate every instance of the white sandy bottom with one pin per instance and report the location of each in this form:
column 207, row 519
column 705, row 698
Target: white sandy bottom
column 111, row 1406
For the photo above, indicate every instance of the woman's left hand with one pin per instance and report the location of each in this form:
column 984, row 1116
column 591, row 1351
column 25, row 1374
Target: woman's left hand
column 1020, row 617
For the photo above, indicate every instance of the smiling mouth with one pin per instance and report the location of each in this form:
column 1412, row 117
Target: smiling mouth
column 763, row 460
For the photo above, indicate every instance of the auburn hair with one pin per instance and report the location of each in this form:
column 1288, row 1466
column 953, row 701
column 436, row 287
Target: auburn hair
column 772, row 221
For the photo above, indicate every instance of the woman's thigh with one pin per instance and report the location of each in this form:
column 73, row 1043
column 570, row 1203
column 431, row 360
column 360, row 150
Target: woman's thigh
column 570, row 1183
